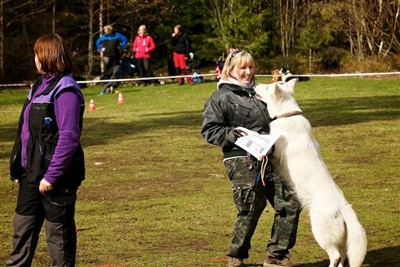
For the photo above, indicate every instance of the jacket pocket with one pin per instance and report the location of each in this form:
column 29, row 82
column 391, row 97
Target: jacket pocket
column 243, row 196
column 241, row 114
column 46, row 152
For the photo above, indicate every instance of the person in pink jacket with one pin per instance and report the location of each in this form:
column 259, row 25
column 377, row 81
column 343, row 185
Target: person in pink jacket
column 142, row 46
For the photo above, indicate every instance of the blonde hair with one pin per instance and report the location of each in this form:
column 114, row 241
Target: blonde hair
column 108, row 27
column 238, row 58
column 143, row 27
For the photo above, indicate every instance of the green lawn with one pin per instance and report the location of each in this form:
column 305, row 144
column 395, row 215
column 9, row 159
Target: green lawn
column 156, row 193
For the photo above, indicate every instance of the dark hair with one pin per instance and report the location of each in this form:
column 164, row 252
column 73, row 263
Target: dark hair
column 53, row 54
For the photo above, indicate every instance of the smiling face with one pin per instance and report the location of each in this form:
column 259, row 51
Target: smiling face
column 240, row 66
column 243, row 74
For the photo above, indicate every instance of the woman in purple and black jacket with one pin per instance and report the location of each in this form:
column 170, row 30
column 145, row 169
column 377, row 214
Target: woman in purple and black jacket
column 47, row 160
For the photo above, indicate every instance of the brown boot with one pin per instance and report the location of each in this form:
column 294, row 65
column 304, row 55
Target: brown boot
column 235, row 262
column 274, row 262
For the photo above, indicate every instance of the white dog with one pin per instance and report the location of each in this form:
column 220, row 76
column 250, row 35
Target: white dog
column 297, row 157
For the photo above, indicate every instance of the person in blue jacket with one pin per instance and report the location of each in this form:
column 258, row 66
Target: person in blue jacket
column 111, row 43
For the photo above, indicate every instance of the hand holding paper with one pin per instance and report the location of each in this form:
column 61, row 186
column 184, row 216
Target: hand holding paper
column 244, row 131
column 257, row 145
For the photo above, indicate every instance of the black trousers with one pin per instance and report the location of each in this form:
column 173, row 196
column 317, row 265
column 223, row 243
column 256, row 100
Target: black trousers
column 144, row 69
column 57, row 210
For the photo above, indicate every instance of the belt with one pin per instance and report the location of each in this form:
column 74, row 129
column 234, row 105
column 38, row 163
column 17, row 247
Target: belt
column 234, row 153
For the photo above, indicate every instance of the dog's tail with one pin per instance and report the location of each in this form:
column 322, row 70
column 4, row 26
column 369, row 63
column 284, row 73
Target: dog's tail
column 356, row 237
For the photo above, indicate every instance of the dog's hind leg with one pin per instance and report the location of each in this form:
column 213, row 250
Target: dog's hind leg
column 343, row 256
column 334, row 257
column 329, row 243
column 329, row 232
column 344, row 263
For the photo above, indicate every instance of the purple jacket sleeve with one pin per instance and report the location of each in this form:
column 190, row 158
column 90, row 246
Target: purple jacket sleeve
column 67, row 112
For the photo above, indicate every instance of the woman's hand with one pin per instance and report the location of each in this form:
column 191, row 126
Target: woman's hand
column 45, row 186
column 244, row 131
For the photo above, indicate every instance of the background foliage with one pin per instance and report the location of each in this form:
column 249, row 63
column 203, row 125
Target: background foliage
column 309, row 36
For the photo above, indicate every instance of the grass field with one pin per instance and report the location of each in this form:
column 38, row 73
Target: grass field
column 156, row 193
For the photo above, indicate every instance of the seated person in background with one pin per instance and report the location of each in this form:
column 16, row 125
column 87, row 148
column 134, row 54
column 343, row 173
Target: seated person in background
column 113, row 73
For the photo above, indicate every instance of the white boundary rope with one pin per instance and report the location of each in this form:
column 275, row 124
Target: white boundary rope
column 341, row 75
column 213, row 75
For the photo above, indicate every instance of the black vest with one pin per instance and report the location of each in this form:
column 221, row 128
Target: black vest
column 42, row 143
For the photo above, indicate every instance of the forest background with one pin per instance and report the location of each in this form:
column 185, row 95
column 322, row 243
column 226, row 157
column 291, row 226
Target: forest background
column 305, row 36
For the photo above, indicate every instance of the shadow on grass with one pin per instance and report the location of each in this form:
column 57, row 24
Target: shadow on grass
column 389, row 256
column 98, row 130
column 344, row 111
column 320, row 112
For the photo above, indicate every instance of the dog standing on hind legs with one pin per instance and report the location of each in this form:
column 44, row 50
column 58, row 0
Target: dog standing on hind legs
column 297, row 158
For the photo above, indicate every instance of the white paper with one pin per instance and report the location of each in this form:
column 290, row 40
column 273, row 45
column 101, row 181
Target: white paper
column 257, row 145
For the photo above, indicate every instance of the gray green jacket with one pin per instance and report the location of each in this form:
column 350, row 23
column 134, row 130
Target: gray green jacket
column 229, row 107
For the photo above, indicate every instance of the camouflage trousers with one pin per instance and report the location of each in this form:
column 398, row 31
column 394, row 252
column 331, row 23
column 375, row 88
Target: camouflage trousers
column 250, row 198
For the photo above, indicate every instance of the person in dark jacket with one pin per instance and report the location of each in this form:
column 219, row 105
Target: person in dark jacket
column 111, row 43
column 112, row 74
column 181, row 43
column 47, row 159
column 231, row 112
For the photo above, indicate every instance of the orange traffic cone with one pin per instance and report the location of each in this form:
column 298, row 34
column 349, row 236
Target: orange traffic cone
column 120, row 98
column 92, row 107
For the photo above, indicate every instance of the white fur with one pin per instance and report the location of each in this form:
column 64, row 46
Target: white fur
column 297, row 157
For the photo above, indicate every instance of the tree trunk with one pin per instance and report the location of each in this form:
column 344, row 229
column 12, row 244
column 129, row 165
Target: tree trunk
column 1, row 41
column 101, row 30
column 282, row 29
column 54, row 18
column 359, row 18
column 91, row 35
column 293, row 33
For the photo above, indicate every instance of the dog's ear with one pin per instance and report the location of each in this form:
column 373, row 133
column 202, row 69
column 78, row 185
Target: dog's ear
column 289, row 86
column 271, row 91
column 277, row 91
